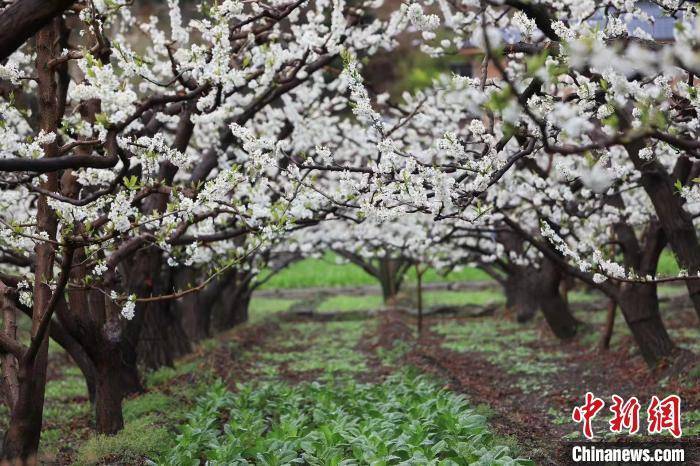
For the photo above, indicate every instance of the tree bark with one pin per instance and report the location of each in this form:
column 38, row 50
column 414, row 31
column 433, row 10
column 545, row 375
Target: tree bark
column 520, row 297
column 8, row 361
column 390, row 276
column 195, row 308
column 108, row 400
column 675, row 220
column 156, row 330
column 162, row 338
column 640, row 307
column 554, row 307
column 21, row 440
column 93, row 321
column 609, row 326
column 23, row 19
column 232, row 308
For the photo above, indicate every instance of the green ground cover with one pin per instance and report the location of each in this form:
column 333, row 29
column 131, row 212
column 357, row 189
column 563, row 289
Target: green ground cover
column 462, row 298
column 310, row 396
column 332, row 419
column 263, row 307
column 351, row 303
column 327, row 272
column 404, row 420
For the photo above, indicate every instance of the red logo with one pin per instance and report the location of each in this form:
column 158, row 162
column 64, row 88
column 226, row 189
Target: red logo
column 665, row 415
column 587, row 412
column 662, row 415
column 625, row 415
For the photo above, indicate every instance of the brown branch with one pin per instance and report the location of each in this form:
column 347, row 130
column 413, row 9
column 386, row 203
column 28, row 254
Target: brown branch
column 23, row 19
column 43, row 327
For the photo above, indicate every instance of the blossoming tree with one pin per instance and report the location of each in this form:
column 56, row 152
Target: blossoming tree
column 125, row 167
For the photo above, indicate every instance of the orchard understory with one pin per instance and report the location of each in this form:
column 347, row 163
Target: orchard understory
column 298, row 379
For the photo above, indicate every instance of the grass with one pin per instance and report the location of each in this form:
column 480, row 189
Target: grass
column 351, row 303
column 462, row 298
column 328, row 272
column 314, row 346
column 261, row 308
column 140, row 438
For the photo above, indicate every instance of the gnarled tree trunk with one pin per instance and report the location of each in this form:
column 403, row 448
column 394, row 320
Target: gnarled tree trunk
column 390, row 274
column 232, row 304
column 521, row 300
column 675, row 220
column 555, row 307
column 195, row 308
column 528, row 289
column 156, row 330
column 640, row 307
column 21, row 440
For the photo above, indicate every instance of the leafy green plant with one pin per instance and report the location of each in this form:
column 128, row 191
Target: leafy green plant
column 405, row 420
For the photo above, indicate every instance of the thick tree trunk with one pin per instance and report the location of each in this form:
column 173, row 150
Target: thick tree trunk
column 640, row 306
column 194, row 308
column 232, row 309
column 93, row 321
column 109, row 394
column 521, row 300
column 675, row 220
column 22, row 437
column 528, row 289
column 554, row 307
column 156, row 330
column 8, row 362
column 128, row 376
column 196, row 320
column 390, row 277
column 163, row 338
column 117, row 377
